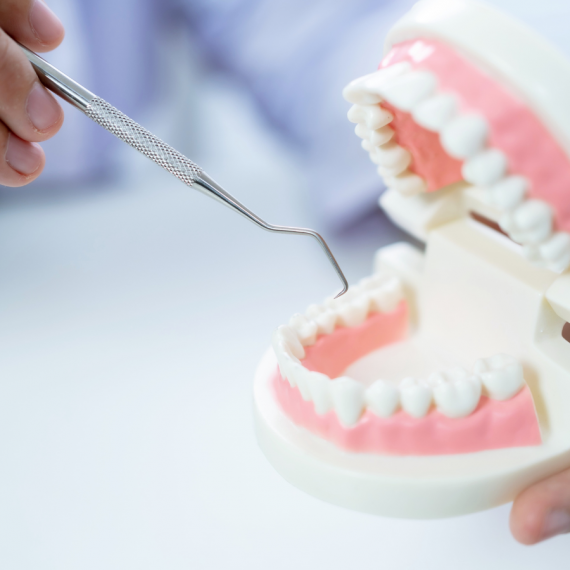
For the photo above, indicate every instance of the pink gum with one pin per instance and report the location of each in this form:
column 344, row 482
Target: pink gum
column 514, row 128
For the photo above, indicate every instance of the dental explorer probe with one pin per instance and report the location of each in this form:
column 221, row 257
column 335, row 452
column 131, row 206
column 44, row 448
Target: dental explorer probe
column 152, row 147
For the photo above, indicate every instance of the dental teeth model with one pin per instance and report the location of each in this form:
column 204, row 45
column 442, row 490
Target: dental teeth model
column 440, row 385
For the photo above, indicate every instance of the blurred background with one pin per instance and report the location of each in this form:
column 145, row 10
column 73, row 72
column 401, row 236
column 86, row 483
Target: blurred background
column 133, row 310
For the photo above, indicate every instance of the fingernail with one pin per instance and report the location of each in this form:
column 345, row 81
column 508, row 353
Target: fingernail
column 43, row 110
column 22, row 156
column 556, row 522
column 47, row 27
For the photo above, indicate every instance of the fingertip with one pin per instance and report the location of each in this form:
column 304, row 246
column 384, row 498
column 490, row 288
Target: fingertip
column 46, row 26
column 25, row 158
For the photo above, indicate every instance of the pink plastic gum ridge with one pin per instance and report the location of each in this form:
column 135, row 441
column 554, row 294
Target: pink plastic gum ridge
column 493, row 425
column 514, row 129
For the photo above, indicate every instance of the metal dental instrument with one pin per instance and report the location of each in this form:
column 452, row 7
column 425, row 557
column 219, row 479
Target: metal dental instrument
column 152, row 147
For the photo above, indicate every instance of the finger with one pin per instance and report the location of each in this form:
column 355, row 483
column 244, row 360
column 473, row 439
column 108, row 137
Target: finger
column 21, row 161
column 26, row 106
column 543, row 510
column 31, row 23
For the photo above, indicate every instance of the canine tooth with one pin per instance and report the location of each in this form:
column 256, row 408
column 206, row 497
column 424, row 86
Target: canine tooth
column 464, row 136
column 382, row 398
column 354, row 313
column 287, row 334
column 387, row 297
column 320, row 390
column 529, row 223
column 306, row 329
column 407, row 90
column 326, row 322
column 459, row 396
column 362, row 131
column 365, row 90
column 392, row 155
column 434, row 113
column 509, row 193
column 302, row 379
column 501, row 374
column 415, row 397
column 381, row 136
column 348, row 399
column 407, row 183
column 485, row 168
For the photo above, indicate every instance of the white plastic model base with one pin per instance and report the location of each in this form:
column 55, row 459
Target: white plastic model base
column 400, row 487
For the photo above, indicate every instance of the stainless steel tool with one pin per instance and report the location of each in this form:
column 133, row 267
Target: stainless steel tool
column 152, row 147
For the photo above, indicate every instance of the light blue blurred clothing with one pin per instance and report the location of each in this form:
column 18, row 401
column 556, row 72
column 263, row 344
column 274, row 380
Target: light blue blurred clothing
column 293, row 56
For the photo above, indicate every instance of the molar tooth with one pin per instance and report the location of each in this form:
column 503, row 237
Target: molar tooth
column 386, row 298
column 392, row 155
column 348, row 399
column 555, row 247
column 354, row 313
column 459, row 396
column 407, row 183
column 529, row 223
column 501, row 374
column 382, row 398
column 464, row 136
column 366, row 90
column 287, row 334
column 509, row 192
column 415, row 397
column 485, row 168
column 407, row 90
column 320, row 390
column 326, row 322
column 434, row 113
column 381, row 136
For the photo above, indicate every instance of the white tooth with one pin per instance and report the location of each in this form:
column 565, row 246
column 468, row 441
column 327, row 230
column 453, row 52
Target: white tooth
column 556, row 247
column 314, row 310
column 284, row 359
column 509, row 193
column 529, row 223
column 306, row 329
column 502, row 376
column 392, row 155
column 326, row 322
column 459, row 396
column 320, row 390
column 362, row 131
column 464, row 136
column 386, row 298
column 407, row 183
column 356, row 114
column 380, row 136
column 366, row 90
column 375, row 117
column 485, row 168
column 366, row 145
column 407, row 90
column 375, row 281
column 302, row 376
column 434, row 113
column 388, row 173
column 382, row 398
column 288, row 335
column 560, row 264
column 354, row 313
column 415, row 397
column 348, row 399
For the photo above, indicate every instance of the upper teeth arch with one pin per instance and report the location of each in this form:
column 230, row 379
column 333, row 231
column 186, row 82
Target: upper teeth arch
column 528, row 222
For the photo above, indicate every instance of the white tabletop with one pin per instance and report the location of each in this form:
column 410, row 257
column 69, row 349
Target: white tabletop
column 132, row 317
